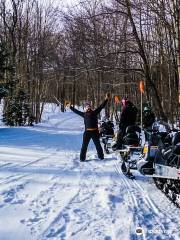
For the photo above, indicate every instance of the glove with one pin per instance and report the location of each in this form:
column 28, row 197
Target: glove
column 67, row 104
column 108, row 96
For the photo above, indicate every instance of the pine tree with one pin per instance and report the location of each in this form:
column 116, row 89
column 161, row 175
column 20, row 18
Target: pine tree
column 16, row 105
column 18, row 111
column 3, row 59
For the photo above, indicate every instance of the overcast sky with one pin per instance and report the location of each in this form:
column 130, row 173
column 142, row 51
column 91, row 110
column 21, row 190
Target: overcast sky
column 71, row 2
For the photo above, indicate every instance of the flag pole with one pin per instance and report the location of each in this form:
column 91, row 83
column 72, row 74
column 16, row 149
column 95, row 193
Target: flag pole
column 141, row 88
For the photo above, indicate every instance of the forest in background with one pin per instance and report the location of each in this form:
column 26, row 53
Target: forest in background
column 79, row 53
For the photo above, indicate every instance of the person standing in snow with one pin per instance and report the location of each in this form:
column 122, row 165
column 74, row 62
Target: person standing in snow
column 91, row 127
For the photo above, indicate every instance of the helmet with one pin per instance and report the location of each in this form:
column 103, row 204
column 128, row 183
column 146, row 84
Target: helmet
column 124, row 101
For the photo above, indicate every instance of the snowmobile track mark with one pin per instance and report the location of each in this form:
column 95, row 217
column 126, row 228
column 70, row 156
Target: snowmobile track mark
column 139, row 201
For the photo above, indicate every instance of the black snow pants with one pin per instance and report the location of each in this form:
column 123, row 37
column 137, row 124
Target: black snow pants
column 86, row 139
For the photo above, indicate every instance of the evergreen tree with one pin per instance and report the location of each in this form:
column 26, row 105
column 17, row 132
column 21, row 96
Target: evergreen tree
column 18, row 111
column 16, row 107
column 3, row 67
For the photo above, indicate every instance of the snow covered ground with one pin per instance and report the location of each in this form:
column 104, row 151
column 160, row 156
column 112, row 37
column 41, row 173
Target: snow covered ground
column 46, row 193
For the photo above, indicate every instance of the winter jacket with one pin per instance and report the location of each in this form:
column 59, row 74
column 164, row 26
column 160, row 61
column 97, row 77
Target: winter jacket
column 128, row 116
column 148, row 119
column 90, row 117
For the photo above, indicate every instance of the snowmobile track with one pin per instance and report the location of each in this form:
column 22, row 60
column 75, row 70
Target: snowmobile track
column 142, row 207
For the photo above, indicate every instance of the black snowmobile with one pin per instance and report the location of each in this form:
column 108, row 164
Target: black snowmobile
column 130, row 149
column 162, row 148
column 106, row 131
column 160, row 159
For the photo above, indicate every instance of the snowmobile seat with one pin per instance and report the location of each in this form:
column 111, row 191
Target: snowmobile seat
column 107, row 128
column 133, row 128
column 131, row 139
column 132, row 136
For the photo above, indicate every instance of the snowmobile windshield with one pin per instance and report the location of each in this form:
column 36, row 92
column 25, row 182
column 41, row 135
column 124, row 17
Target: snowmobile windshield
column 160, row 126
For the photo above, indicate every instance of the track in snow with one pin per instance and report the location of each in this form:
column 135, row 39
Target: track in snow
column 49, row 194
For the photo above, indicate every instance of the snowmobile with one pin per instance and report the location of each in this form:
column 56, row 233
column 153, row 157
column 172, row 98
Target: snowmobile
column 160, row 159
column 130, row 149
column 106, row 131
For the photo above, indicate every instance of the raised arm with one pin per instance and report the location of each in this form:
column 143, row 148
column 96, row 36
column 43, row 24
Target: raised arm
column 98, row 110
column 77, row 111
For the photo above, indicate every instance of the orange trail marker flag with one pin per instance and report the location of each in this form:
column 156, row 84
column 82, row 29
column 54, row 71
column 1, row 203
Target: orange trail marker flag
column 141, row 86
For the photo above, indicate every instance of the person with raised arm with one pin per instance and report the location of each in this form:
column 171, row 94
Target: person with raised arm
column 91, row 127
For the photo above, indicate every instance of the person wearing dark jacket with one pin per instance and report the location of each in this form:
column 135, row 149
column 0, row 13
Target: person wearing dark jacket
column 128, row 118
column 128, row 115
column 91, row 128
column 148, row 117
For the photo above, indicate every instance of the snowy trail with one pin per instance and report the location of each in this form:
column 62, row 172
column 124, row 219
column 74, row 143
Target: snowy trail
column 142, row 208
column 46, row 193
